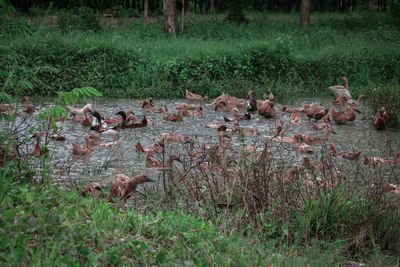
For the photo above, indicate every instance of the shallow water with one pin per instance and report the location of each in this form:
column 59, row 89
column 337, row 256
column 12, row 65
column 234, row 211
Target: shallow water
column 105, row 163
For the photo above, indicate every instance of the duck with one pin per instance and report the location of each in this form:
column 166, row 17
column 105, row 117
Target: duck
column 93, row 139
column 186, row 105
column 314, row 112
column 238, row 117
column 392, row 188
column 79, row 111
column 295, row 116
column 174, row 117
column 194, row 97
column 199, row 111
column 280, row 129
column 56, row 136
column 381, row 119
column 230, row 105
column 110, row 144
column 171, row 137
column 283, row 139
column 86, row 120
column 124, row 124
column 129, row 116
column 342, row 117
column 340, row 90
column 247, row 132
column 28, row 108
column 270, row 95
column 251, row 101
column 38, row 151
column 97, row 121
column 149, row 106
column 323, row 125
column 6, row 108
column 215, row 125
column 250, row 132
column 267, row 109
column 142, row 102
column 191, row 152
column 99, row 125
column 77, row 150
column 225, row 143
column 295, row 110
column 303, row 147
column 354, row 103
column 186, row 112
column 139, row 124
column 264, row 154
column 157, row 148
column 342, row 101
column 311, row 141
column 154, row 163
column 376, row 161
column 122, row 188
column 345, row 155
column 148, row 103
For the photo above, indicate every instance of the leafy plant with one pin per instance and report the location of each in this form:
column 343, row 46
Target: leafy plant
column 82, row 19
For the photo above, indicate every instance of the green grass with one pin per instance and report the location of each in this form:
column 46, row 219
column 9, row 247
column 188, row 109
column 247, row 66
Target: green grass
column 136, row 59
column 43, row 225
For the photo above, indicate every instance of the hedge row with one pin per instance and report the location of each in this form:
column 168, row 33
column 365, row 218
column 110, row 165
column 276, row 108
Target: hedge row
column 54, row 67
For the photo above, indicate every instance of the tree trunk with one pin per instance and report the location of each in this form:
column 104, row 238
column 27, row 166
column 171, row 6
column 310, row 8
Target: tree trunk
column 212, row 6
column 305, row 13
column 235, row 11
column 170, row 17
column 146, row 9
column 183, row 15
column 187, row 6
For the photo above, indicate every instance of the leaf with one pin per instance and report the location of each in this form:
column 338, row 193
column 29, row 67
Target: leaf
column 29, row 197
column 5, row 242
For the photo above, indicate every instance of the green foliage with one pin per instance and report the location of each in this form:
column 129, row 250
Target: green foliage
column 395, row 11
column 70, row 98
column 8, row 26
column 339, row 214
column 387, row 96
column 5, row 8
column 81, row 19
column 136, row 59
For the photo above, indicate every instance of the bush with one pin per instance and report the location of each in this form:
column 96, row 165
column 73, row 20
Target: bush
column 387, row 96
column 396, row 13
column 83, row 19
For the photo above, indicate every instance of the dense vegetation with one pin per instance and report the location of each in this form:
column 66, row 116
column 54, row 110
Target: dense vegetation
column 129, row 57
column 208, row 58
column 282, row 224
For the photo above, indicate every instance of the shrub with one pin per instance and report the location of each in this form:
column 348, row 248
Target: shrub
column 83, row 19
column 395, row 12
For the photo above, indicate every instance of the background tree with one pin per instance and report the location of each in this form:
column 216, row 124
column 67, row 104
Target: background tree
column 170, row 17
column 146, row 9
column 305, row 13
column 235, row 11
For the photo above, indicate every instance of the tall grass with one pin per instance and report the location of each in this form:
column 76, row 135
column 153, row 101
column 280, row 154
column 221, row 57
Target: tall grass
column 134, row 58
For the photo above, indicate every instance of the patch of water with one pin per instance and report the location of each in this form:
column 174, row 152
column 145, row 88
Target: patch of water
column 106, row 163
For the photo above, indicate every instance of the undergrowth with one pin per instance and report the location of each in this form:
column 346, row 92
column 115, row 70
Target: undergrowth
column 242, row 209
column 134, row 58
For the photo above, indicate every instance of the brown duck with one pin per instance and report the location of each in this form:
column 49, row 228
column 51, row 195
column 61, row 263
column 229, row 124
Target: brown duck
column 122, row 188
